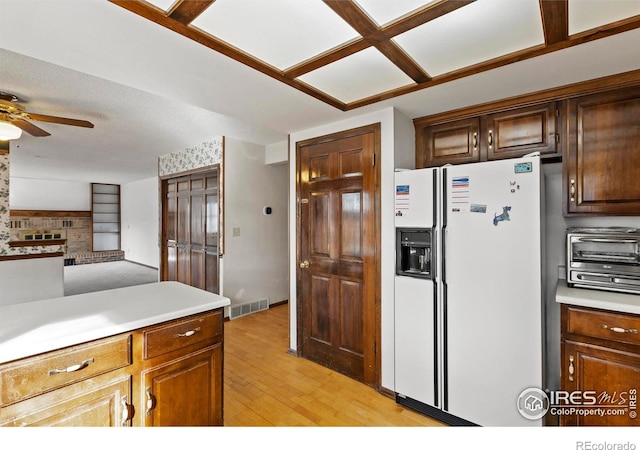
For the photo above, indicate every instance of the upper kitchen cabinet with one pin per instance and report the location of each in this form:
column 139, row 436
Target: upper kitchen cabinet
column 448, row 143
column 601, row 173
column 512, row 134
column 496, row 135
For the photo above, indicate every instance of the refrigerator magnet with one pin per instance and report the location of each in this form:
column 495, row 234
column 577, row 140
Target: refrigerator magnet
column 476, row 208
column 497, row 218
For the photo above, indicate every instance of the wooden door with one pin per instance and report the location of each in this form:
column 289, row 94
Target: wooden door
column 338, row 243
column 514, row 133
column 190, row 230
column 600, row 166
column 448, row 143
column 185, row 392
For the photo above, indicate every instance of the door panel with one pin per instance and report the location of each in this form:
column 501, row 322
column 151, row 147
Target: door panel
column 337, row 235
column 351, row 225
column 351, row 338
column 320, row 309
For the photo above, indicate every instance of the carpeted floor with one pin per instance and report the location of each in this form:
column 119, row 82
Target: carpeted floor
column 109, row 275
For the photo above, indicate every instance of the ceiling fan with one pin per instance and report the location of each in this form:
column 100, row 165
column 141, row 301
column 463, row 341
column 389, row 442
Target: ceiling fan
column 13, row 113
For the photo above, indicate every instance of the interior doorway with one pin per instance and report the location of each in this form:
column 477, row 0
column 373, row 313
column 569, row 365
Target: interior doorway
column 338, row 233
column 191, row 229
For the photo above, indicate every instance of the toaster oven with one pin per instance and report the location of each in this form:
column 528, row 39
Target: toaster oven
column 604, row 258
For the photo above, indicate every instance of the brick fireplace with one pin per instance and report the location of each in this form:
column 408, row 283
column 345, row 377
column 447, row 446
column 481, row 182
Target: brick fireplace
column 74, row 226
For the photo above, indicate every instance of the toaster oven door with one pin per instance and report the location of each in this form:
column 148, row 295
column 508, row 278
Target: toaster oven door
column 604, row 254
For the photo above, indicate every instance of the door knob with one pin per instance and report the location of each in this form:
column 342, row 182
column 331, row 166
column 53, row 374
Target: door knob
column 304, row 264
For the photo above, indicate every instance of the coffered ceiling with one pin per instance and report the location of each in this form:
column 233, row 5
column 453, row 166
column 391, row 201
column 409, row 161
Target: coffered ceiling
column 159, row 77
column 350, row 53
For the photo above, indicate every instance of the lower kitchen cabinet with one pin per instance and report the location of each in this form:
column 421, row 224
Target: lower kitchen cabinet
column 184, row 391
column 600, row 354
column 92, row 403
column 166, row 374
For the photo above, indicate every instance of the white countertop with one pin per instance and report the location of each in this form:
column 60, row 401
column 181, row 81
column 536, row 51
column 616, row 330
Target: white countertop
column 592, row 298
column 31, row 328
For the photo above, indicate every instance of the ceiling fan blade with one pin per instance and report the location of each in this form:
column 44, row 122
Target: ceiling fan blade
column 61, row 120
column 29, row 128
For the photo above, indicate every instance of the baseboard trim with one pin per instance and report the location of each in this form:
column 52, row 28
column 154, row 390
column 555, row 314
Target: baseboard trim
column 140, row 264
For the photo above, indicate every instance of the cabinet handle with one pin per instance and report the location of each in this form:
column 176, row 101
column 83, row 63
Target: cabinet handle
column 126, row 410
column 73, row 368
column 151, row 402
column 571, row 369
column 490, row 138
column 187, row 333
column 620, row 330
column 475, row 141
column 572, row 190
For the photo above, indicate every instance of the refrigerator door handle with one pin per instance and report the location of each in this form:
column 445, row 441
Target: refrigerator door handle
column 445, row 239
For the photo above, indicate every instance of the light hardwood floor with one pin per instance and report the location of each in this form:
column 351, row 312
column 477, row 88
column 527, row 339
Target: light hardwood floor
column 266, row 386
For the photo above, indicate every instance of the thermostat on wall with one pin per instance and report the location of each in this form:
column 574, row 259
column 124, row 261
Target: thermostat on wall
column 266, row 210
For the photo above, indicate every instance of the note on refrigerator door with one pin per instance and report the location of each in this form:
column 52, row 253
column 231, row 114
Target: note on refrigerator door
column 403, row 202
column 460, row 194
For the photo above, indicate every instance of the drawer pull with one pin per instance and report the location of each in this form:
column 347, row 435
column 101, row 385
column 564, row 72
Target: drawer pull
column 620, row 330
column 73, row 368
column 187, row 333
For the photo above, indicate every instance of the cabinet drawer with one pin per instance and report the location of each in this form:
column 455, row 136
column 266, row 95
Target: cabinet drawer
column 183, row 333
column 604, row 325
column 32, row 376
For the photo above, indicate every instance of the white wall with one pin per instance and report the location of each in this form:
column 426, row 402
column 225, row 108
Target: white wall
column 394, row 126
column 277, row 153
column 26, row 193
column 139, row 221
column 256, row 261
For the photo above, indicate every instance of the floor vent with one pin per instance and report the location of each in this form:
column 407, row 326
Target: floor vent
column 248, row 308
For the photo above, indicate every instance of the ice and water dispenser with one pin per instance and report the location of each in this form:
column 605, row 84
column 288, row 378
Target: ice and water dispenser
column 413, row 252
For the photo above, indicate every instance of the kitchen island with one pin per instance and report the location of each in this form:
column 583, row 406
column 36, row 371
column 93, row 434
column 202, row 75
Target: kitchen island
column 600, row 356
column 148, row 355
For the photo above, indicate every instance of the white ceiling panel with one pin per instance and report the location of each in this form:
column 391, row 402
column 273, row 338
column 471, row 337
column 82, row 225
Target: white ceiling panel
column 384, row 12
column 281, row 33
column 473, row 34
column 587, row 14
column 358, row 76
column 164, row 5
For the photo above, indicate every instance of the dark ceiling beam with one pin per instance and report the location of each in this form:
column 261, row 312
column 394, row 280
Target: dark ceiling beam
column 185, row 11
column 555, row 20
column 422, row 16
column 351, row 13
column 403, row 24
column 328, row 57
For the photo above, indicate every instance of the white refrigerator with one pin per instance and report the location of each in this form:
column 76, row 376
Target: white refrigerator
column 469, row 339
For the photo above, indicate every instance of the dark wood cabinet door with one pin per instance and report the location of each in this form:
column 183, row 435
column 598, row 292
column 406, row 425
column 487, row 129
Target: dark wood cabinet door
column 448, row 143
column 608, row 377
column 601, row 170
column 185, row 392
column 514, row 133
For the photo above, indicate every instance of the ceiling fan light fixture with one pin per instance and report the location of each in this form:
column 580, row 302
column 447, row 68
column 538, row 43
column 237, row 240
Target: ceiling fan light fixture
column 9, row 131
